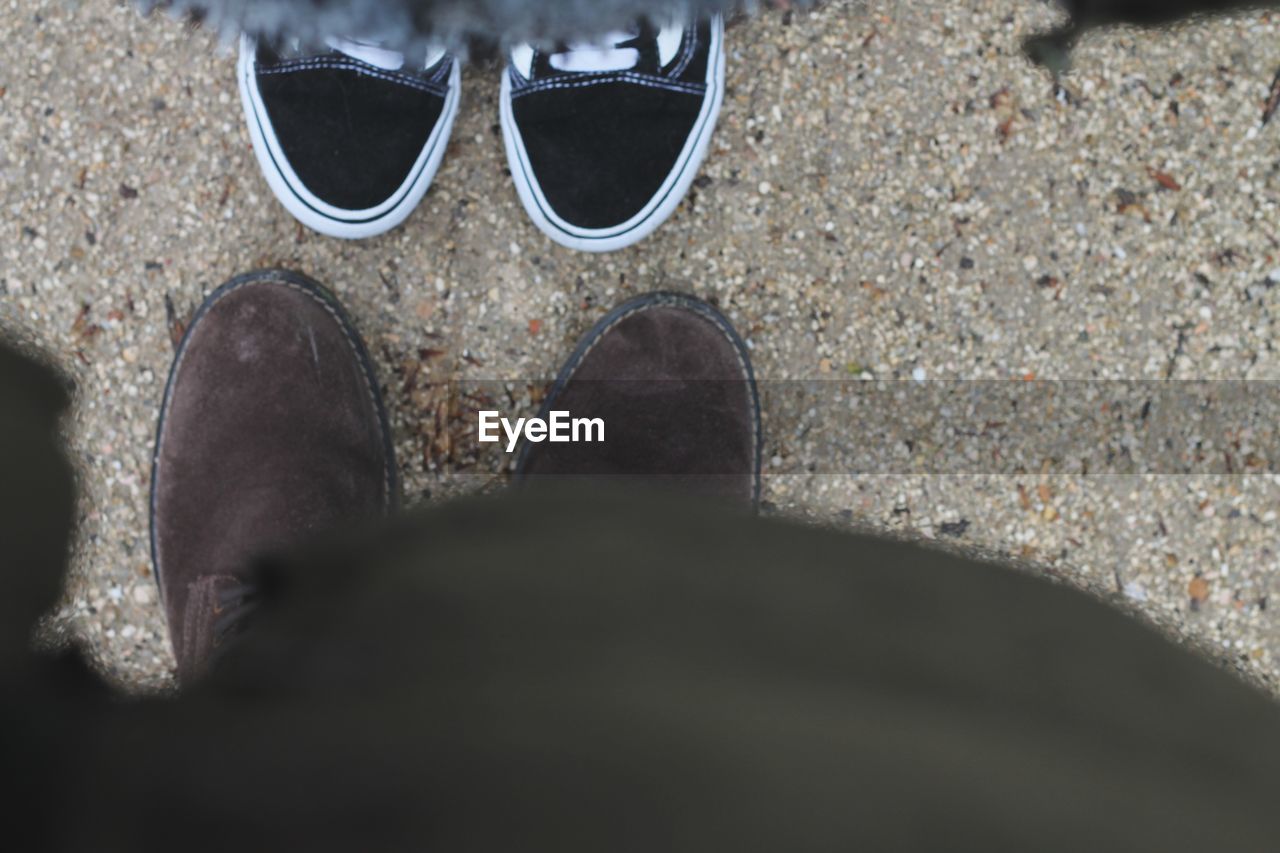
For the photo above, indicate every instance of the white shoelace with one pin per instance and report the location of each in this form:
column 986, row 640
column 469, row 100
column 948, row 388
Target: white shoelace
column 379, row 57
column 602, row 55
column 371, row 54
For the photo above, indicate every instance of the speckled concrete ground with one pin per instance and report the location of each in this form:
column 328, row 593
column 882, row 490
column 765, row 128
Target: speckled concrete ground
column 893, row 192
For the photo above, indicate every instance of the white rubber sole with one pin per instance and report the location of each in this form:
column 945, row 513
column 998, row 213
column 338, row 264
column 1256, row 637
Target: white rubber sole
column 665, row 200
column 305, row 206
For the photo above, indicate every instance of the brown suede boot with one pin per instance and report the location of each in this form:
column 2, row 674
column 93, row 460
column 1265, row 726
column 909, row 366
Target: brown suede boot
column 272, row 428
column 672, row 382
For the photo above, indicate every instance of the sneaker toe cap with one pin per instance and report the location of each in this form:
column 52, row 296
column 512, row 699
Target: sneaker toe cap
column 601, row 156
column 351, row 139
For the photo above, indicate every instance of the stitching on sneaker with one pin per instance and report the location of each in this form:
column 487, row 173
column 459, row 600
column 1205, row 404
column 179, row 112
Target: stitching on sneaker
column 446, row 66
column 326, row 64
column 690, row 41
column 625, row 77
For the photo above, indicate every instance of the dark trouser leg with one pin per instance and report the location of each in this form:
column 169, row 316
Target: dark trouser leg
column 35, row 499
column 46, row 704
column 599, row 674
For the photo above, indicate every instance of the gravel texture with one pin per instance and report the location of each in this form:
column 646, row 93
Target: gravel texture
column 893, row 193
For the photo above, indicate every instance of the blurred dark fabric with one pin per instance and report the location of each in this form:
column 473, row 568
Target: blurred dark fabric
column 460, row 25
column 412, row 25
column 577, row 671
column 1053, row 49
column 1090, row 13
column 35, row 497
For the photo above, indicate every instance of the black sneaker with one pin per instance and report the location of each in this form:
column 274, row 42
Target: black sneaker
column 349, row 139
column 603, row 142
